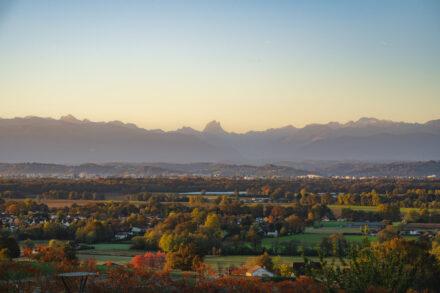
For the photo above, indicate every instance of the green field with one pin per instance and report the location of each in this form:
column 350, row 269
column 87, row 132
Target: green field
column 313, row 236
column 121, row 253
column 102, row 252
column 112, row 246
column 219, row 262
column 311, row 240
column 103, row 258
column 115, row 252
column 337, row 209
column 354, row 207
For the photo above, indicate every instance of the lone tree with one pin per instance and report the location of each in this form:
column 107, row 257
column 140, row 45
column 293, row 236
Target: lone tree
column 264, row 261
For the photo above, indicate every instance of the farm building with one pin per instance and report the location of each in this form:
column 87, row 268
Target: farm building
column 259, row 272
column 418, row 228
column 272, row 233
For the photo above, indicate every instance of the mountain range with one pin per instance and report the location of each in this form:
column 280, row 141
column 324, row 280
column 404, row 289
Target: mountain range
column 72, row 141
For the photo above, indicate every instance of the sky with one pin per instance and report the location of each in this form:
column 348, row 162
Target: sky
column 249, row 64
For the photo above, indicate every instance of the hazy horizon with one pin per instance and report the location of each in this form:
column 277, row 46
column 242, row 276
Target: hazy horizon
column 249, row 64
column 152, row 127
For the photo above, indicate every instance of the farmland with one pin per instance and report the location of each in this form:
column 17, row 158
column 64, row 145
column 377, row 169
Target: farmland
column 337, row 209
column 121, row 254
column 313, row 236
column 114, row 252
column 275, row 229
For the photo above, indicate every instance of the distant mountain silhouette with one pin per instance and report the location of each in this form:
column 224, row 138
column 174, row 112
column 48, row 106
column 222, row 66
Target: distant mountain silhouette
column 69, row 140
column 73, row 141
column 214, row 127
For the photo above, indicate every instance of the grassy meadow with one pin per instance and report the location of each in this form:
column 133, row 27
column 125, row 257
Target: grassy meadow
column 337, row 209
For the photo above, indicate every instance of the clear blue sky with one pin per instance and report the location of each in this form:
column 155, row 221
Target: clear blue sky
column 249, row 64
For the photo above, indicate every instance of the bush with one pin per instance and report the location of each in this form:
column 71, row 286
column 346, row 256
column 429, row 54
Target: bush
column 138, row 242
column 10, row 247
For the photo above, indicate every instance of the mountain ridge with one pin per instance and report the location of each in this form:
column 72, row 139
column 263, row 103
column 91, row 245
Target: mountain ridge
column 72, row 141
column 215, row 126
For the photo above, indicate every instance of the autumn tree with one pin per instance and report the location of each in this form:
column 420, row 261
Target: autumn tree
column 396, row 265
column 149, row 261
column 388, row 233
column 94, row 231
column 294, row 224
column 185, row 258
column 264, row 261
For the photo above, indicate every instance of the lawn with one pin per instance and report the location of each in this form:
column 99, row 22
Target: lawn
column 112, row 246
column 103, row 258
column 305, row 239
column 313, row 236
column 121, row 254
column 354, row 207
column 337, row 209
column 102, row 252
column 217, row 262
column 114, row 252
column 332, row 230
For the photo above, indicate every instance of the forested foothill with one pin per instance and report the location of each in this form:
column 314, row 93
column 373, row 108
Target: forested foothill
column 300, row 235
column 60, row 188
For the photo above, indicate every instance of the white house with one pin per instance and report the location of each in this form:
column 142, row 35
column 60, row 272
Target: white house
column 414, row 232
column 136, row 230
column 121, row 236
column 259, row 272
column 325, row 219
column 272, row 234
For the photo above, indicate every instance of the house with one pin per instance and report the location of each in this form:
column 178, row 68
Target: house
column 272, row 234
column 418, row 228
column 136, row 230
column 121, row 236
column 259, row 220
column 414, row 232
column 259, row 272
